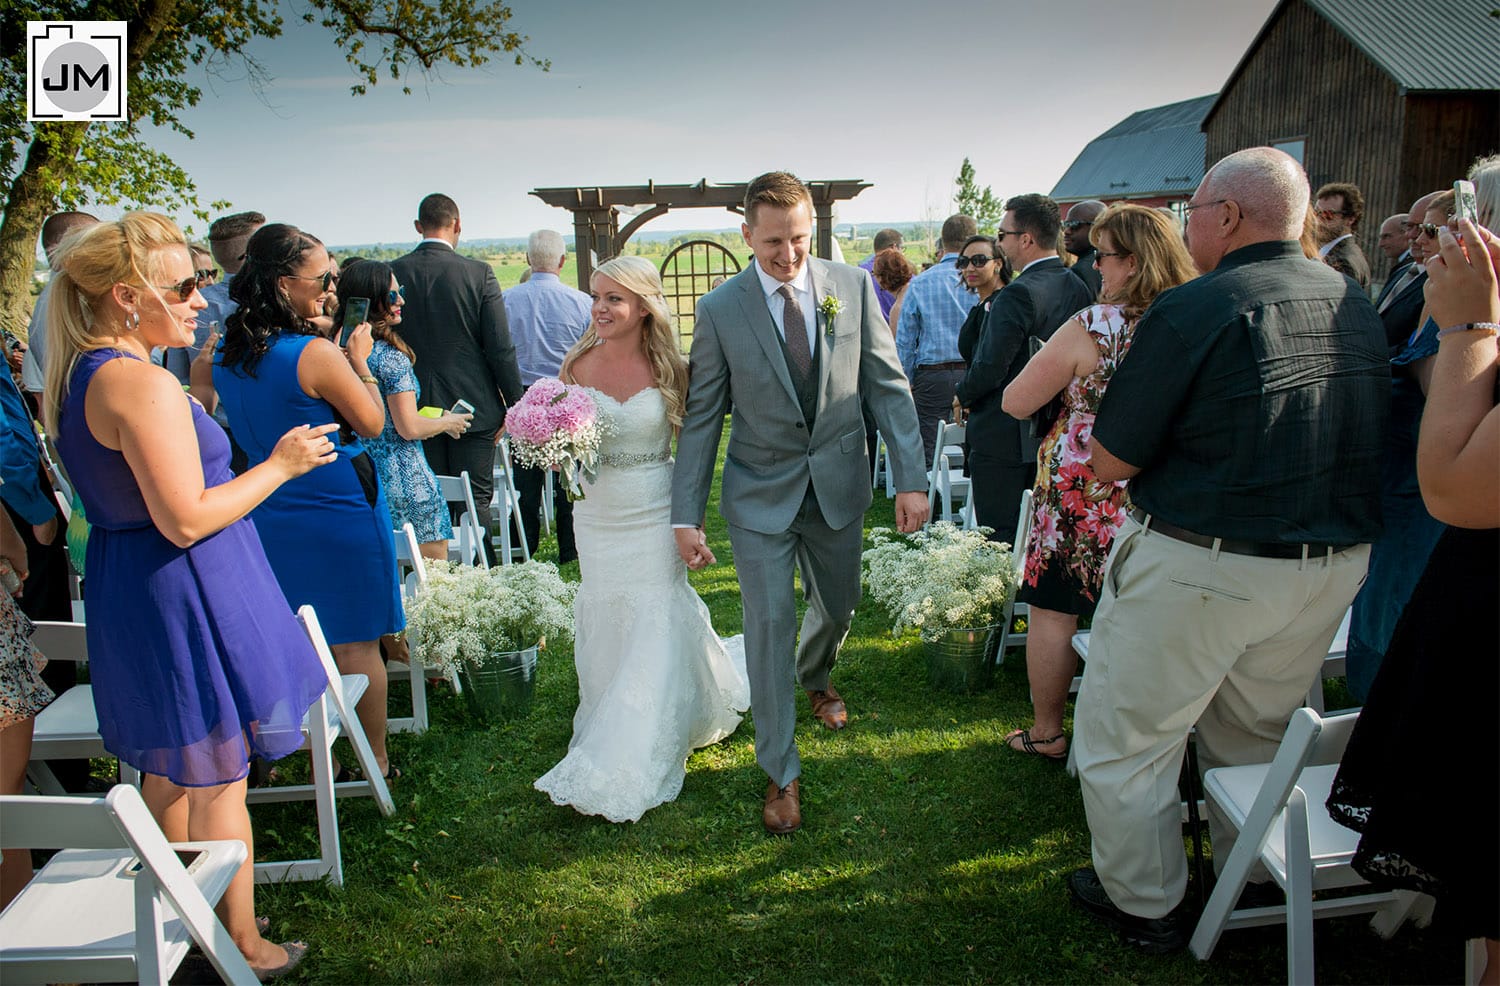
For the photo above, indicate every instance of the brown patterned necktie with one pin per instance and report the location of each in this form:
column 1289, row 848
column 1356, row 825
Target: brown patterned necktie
column 794, row 324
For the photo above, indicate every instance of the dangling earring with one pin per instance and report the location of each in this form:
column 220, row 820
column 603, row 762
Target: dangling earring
column 132, row 321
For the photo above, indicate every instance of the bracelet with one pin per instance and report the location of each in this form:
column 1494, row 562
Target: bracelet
column 1489, row 327
column 366, row 378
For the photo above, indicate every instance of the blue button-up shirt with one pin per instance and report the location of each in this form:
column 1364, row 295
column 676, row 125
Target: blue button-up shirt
column 546, row 317
column 19, row 458
column 932, row 311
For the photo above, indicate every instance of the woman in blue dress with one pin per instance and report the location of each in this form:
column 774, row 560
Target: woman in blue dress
column 408, row 482
column 195, row 657
column 327, row 534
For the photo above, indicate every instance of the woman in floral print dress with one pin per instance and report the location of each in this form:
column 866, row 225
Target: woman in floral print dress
column 1075, row 516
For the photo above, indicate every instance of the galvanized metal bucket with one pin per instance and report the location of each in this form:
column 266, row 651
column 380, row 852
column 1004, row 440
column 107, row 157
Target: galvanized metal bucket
column 958, row 661
column 503, row 687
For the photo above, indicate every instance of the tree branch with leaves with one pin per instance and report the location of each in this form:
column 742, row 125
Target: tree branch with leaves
column 50, row 166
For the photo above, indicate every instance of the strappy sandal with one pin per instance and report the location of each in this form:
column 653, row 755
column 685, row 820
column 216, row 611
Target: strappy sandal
column 1029, row 745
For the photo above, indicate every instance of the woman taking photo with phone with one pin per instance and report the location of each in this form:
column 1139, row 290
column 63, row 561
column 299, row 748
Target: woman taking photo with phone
column 327, row 534
column 408, row 482
column 195, row 658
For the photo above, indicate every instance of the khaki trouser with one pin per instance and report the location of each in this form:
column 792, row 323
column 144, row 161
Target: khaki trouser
column 1187, row 635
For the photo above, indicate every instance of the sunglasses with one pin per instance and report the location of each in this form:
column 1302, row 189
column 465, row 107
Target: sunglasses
column 1431, row 229
column 328, row 277
column 1076, row 223
column 183, row 290
column 391, row 297
column 977, row 259
column 207, row 273
column 1099, row 254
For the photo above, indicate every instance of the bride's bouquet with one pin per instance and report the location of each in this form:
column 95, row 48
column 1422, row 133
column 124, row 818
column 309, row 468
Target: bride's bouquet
column 555, row 426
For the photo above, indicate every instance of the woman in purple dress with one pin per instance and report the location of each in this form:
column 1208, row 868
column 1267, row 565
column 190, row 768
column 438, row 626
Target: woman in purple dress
column 197, row 661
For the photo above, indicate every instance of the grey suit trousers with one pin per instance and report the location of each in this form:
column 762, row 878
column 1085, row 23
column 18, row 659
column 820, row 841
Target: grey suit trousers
column 830, row 582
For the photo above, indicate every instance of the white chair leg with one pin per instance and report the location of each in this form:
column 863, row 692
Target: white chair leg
column 1475, row 961
column 1226, row 894
column 1389, row 919
column 548, row 485
column 1299, row 910
column 150, row 951
column 418, row 677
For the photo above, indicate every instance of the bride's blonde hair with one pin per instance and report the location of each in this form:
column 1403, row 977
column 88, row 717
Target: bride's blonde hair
column 658, row 337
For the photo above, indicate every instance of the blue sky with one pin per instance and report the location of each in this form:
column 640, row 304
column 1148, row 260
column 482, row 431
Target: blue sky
column 676, row 90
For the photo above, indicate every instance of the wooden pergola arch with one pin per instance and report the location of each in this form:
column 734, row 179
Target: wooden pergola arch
column 596, row 211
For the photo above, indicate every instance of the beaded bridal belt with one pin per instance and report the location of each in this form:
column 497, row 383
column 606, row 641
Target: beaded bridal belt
column 620, row 459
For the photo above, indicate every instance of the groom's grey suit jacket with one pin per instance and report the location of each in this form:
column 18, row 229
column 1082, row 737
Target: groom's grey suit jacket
column 737, row 361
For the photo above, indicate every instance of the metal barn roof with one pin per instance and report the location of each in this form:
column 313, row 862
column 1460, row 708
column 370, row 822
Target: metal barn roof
column 1150, row 153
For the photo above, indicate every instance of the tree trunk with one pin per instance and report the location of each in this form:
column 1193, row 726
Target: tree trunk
column 48, row 162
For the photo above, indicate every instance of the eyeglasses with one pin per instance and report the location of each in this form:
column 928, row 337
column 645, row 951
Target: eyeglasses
column 1076, row 223
column 329, row 278
column 1190, row 206
column 1328, row 215
column 184, row 289
column 1100, row 254
column 207, row 273
column 977, row 259
column 1430, row 229
column 391, row 297
column 1001, row 234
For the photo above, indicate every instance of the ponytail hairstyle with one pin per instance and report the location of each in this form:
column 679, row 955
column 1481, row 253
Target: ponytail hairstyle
column 88, row 263
column 273, row 252
column 371, row 279
column 658, row 338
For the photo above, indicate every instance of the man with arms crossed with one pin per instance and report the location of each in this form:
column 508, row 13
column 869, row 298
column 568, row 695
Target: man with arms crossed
column 1250, row 419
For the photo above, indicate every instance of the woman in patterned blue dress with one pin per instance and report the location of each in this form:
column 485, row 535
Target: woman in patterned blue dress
column 409, row 484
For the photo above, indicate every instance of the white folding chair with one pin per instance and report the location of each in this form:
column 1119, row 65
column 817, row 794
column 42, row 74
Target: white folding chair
column 1014, row 609
column 328, row 718
column 505, row 508
column 467, row 545
column 944, row 480
column 880, row 469
column 67, row 729
column 411, row 571
column 1278, row 810
column 117, row 904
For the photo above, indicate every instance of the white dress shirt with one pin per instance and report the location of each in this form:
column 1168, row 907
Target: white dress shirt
column 802, row 291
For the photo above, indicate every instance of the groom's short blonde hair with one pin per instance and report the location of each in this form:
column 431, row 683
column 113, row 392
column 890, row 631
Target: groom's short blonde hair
column 779, row 188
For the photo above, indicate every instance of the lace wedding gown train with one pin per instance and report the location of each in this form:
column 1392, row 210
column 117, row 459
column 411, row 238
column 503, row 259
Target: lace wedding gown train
column 654, row 680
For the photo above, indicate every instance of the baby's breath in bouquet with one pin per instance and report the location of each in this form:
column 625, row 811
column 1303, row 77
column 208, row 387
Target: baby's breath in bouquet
column 940, row 578
column 464, row 614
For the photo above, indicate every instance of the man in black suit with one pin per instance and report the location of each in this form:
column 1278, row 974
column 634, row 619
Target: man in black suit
column 1400, row 301
column 1076, row 230
column 1044, row 295
column 1339, row 206
column 454, row 321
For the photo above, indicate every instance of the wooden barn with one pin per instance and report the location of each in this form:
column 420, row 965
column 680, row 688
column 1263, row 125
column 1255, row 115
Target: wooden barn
column 1152, row 157
column 1397, row 97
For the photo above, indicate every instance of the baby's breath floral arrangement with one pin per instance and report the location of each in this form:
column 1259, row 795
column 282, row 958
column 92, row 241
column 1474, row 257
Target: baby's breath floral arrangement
column 464, row 613
column 940, row 578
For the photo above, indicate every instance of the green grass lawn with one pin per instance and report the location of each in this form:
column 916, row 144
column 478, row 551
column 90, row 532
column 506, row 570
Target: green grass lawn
column 929, row 853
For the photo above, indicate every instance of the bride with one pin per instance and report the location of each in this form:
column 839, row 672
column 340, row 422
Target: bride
column 654, row 681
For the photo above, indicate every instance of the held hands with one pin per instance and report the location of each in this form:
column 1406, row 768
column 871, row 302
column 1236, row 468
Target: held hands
column 1463, row 289
column 911, row 511
column 455, row 424
column 304, row 448
column 960, row 414
column 693, row 547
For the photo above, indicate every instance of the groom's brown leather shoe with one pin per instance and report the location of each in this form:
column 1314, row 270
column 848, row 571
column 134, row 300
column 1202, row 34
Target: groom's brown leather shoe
column 783, row 810
column 828, row 707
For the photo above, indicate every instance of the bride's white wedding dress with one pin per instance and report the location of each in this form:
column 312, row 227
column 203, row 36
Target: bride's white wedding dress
column 654, row 680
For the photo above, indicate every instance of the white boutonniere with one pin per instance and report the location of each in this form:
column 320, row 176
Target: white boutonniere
column 831, row 307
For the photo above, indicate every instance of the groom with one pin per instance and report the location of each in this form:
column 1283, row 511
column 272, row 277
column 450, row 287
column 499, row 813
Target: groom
column 793, row 344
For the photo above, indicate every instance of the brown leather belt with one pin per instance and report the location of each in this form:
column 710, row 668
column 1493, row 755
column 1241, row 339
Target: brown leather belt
column 1256, row 549
column 958, row 365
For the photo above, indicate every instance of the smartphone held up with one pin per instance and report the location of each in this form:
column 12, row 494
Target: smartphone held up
column 356, row 311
